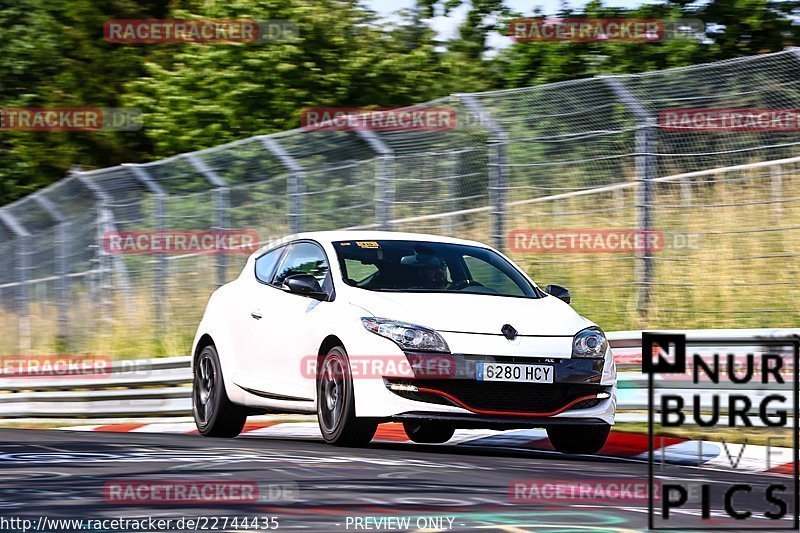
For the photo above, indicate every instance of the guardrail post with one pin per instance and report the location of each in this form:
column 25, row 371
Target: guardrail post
column 221, row 207
column 294, row 184
column 159, row 194
column 22, row 266
column 384, row 178
column 645, row 172
column 61, row 254
column 498, row 166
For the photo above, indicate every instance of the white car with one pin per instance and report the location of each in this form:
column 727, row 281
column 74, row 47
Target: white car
column 364, row 327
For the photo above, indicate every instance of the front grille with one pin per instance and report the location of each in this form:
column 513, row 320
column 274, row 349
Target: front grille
column 504, row 396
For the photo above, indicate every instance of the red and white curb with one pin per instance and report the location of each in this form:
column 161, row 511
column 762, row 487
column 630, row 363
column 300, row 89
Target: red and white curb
column 634, row 446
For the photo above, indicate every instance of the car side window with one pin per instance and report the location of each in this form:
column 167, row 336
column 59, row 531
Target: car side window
column 303, row 258
column 265, row 265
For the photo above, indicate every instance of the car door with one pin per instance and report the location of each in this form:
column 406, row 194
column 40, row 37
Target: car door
column 284, row 326
column 253, row 295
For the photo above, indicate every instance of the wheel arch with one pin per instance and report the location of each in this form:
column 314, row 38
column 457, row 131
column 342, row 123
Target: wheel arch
column 327, row 343
column 204, row 340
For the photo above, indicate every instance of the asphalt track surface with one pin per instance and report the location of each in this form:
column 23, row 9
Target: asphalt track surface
column 62, row 474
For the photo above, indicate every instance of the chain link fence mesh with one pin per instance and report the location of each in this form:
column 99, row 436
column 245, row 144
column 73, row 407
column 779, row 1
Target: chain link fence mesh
column 588, row 154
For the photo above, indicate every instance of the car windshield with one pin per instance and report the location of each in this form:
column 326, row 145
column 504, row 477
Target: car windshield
column 420, row 266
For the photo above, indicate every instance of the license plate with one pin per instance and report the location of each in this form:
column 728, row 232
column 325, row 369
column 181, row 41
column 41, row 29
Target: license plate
column 514, row 372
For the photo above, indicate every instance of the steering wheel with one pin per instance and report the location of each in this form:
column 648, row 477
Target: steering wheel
column 463, row 284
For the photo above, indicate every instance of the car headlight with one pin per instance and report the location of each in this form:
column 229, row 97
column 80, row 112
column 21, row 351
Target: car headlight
column 590, row 342
column 407, row 336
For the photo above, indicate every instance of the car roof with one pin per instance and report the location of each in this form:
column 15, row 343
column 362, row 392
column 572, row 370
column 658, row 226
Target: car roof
column 366, row 235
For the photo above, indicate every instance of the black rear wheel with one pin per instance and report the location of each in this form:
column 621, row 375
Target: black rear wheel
column 578, row 438
column 336, row 409
column 214, row 414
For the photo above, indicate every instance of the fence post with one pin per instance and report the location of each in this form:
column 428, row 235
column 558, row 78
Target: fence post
column 22, row 266
column 61, row 240
column 645, row 172
column 450, row 225
column 294, row 184
column 686, row 192
column 384, row 178
column 222, row 201
column 498, row 165
column 159, row 194
column 776, row 172
column 105, row 223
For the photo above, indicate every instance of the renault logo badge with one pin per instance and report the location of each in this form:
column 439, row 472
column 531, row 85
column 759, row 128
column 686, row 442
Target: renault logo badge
column 509, row 332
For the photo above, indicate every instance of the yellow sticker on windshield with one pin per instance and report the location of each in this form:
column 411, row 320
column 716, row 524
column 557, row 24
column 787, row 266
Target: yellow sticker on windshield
column 367, row 244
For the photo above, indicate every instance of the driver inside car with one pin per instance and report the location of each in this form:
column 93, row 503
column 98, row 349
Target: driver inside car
column 430, row 271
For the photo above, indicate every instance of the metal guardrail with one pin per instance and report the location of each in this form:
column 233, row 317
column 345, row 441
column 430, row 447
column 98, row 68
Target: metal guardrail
column 162, row 387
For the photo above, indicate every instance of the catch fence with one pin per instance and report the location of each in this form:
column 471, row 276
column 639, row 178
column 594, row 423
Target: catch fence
column 589, row 154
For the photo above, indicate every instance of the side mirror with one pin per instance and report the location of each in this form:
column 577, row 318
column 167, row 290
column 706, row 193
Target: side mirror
column 305, row 285
column 559, row 292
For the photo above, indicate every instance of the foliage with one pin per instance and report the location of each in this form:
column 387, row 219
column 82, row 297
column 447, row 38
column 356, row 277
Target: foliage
column 52, row 54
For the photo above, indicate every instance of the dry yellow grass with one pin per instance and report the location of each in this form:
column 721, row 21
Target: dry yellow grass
column 745, row 273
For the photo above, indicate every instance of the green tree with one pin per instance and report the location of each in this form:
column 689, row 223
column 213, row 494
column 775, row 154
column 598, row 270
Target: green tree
column 52, row 54
column 202, row 95
column 748, row 27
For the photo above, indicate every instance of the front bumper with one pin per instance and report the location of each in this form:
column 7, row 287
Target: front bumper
column 472, row 421
column 583, row 391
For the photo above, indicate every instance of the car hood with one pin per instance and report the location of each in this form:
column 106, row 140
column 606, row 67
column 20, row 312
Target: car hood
column 474, row 313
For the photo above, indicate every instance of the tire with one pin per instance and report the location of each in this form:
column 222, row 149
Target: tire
column 429, row 432
column 336, row 408
column 214, row 414
column 578, row 438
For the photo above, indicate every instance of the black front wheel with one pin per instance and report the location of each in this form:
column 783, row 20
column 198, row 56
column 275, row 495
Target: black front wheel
column 214, row 414
column 578, row 439
column 336, row 410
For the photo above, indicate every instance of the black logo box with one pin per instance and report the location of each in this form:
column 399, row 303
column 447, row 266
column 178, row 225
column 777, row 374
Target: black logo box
column 675, row 346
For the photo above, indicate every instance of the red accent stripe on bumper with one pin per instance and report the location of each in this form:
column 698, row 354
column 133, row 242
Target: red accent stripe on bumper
column 506, row 413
